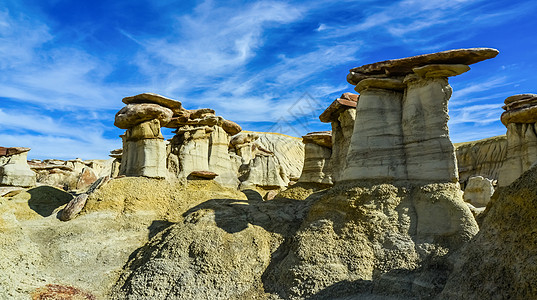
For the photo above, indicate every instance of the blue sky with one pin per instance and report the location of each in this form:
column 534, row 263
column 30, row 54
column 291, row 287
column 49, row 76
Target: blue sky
column 268, row 65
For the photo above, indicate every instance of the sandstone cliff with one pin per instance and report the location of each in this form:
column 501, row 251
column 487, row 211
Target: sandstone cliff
column 481, row 158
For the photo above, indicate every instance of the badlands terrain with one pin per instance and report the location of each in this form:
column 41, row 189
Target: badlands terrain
column 383, row 206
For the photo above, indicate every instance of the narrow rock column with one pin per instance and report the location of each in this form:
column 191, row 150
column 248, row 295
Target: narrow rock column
column 430, row 155
column 520, row 118
column 376, row 149
column 342, row 115
column 144, row 151
column 317, row 158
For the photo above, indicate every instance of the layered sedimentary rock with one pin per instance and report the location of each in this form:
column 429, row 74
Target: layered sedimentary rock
column 201, row 143
column 14, row 168
column 520, row 118
column 144, row 149
column 342, row 115
column 317, row 152
column 481, row 158
column 74, row 174
column 268, row 160
column 401, row 132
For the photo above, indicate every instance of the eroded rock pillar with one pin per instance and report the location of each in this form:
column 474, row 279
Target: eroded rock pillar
column 317, row 155
column 144, row 151
column 430, row 155
column 376, row 149
column 520, row 118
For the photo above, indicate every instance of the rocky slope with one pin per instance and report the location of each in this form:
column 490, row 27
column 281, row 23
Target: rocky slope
column 500, row 262
column 89, row 251
column 376, row 240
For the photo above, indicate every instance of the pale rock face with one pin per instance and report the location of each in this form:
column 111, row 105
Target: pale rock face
column 268, row 160
column 484, row 158
column 144, row 151
column 521, row 151
column 376, row 149
column 316, row 164
column 219, row 158
column 264, row 171
column 342, row 130
column 288, row 153
column 193, row 151
column 144, row 158
column 478, row 191
column 430, row 155
column 16, row 172
column 521, row 123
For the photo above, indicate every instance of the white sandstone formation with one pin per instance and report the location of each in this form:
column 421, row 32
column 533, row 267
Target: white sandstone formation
column 268, row 160
column 14, row 168
column 401, row 132
column 481, row 158
column 478, row 191
column 342, row 115
column 317, row 152
column 520, row 118
column 201, row 144
column 144, row 149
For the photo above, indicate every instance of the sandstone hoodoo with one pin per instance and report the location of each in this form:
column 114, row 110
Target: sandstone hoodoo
column 318, row 149
column 14, row 168
column 520, row 118
column 342, row 115
column 144, row 149
column 373, row 209
column 401, row 132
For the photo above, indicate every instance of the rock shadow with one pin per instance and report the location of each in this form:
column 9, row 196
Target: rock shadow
column 45, row 199
column 158, row 226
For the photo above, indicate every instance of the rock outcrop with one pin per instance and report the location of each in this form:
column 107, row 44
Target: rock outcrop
column 478, row 191
column 14, row 168
column 342, row 116
column 520, row 118
column 268, row 160
column 499, row 262
column 70, row 175
column 201, row 143
column 481, row 158
column 317, row 153
column 401, row 132
column 144, row 149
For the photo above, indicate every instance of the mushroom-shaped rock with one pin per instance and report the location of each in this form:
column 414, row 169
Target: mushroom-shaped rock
column 134, row 114
column 520, row 109
column 321, row 138
column 174, row 105
column 405, row 66
column 347, row 100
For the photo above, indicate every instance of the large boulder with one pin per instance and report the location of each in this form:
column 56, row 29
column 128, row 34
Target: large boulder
column 134, row 114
